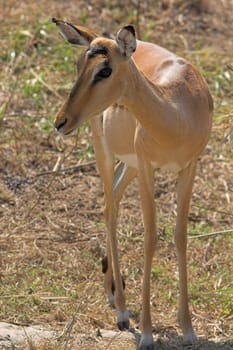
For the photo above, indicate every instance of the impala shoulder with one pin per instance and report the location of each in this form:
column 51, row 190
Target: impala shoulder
column 170, row 69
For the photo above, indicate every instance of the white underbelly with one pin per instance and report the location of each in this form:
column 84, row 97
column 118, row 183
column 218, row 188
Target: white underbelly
column 170, row 167
column 132, row 161
column 129, row 159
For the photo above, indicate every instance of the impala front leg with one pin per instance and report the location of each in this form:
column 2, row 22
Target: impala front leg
column 105, row 165
column 146, row 185
column 184, row 191
column 110, row 265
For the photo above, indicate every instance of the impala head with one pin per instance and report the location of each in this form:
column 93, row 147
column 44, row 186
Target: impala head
column 101, row 73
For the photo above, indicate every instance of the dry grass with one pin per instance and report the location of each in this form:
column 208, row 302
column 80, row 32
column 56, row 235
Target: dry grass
column 52, row 235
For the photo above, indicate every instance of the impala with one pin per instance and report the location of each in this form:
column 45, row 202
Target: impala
column 150, row 109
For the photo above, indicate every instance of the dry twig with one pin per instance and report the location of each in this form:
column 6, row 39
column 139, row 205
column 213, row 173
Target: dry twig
column 66, row 170
column 211, row 234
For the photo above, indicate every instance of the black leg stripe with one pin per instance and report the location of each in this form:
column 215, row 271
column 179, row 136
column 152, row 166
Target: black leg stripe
column 105, row 264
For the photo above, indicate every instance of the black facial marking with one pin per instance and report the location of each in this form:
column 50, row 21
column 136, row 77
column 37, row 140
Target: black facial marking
column 97, row 50
column 104, row 73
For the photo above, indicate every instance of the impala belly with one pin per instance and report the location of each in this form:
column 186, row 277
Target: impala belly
column 119, row 128
column 129, row 159
column 171, row 167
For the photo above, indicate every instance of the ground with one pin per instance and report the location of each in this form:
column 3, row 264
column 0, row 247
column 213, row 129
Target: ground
column 52, row 233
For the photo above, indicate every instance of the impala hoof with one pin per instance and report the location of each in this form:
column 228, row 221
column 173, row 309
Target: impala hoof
column 123, row 320
column 146, row 347
column 123, row 325
column 190, row 339
column 146, row 342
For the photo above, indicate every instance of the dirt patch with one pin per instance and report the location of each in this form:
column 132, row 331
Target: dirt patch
column 13, row 335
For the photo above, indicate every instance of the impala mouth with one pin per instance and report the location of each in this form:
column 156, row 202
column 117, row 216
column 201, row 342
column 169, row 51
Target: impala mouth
column 60, row 128
column 60, row 125
column 63, row 128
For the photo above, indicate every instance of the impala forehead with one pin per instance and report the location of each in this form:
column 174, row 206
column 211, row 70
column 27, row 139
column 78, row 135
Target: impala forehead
column 99, row 49
column 91, row 60
column 103, row 46
column 93, row 52
column 96, row 50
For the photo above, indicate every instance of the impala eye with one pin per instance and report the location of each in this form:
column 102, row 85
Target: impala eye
column 103, row 74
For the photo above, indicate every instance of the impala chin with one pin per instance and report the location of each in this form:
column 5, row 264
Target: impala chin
column 68, row 132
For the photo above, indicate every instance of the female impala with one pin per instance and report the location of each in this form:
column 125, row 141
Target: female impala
column 150, row 109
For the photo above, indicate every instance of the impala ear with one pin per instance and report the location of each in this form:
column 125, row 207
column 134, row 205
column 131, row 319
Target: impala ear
column 126, row 40
column 75, row 35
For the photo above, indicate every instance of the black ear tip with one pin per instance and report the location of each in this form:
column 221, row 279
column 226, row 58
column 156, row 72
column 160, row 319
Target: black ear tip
column 130, row 28
column 54, row 20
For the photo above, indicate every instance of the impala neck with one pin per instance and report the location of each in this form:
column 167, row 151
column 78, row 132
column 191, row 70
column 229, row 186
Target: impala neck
column 149, row 103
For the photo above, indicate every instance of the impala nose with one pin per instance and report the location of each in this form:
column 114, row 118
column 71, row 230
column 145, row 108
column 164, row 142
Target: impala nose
column 59, row 125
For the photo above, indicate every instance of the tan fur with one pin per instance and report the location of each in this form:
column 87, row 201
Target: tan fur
column 157, row 113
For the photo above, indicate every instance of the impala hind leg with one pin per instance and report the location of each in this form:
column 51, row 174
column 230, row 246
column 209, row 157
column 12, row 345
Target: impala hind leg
column 113, row 279
column 123, row 175
column 184, row 192
column 113, row 270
